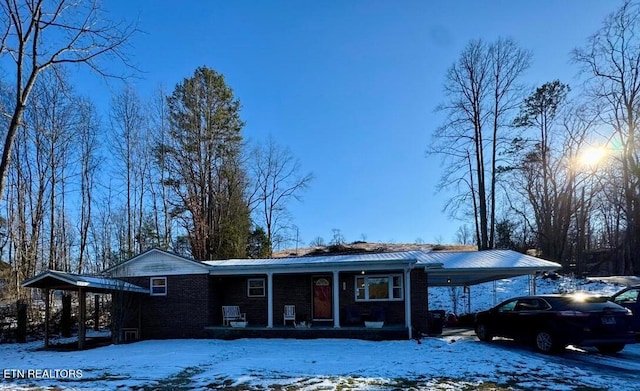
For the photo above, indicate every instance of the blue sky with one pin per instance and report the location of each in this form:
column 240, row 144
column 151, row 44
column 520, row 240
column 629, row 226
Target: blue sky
column 351, row 87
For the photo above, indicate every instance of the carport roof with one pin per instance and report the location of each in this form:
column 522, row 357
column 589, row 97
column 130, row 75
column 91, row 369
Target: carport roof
column 475, row 267
column 53, row 279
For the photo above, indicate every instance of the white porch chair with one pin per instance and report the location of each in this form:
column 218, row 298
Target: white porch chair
column 232, row 313
column 289, row 314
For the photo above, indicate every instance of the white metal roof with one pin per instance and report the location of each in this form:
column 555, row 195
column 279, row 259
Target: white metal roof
column 323, row 262
column 485, row 259
column 54, row 279
column 442, row 268
column 474, row 267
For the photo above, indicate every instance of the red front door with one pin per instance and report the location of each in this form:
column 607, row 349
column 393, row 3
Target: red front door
column 322, row 298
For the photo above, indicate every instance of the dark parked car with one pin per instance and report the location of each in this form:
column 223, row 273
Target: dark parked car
column 551, row 322
column 628, row 298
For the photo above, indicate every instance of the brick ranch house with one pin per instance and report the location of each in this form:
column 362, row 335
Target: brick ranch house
column 333, row 294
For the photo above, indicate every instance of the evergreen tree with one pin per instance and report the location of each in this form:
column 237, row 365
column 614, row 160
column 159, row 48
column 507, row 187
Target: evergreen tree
column 258, row 245
column 202, row 154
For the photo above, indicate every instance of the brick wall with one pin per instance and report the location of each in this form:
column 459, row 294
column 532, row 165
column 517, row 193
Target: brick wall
column 232, row 290
column 292, row 289
column 182, row 313
column 419, row 300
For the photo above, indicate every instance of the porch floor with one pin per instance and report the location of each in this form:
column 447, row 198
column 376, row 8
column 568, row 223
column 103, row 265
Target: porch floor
column 391, row 332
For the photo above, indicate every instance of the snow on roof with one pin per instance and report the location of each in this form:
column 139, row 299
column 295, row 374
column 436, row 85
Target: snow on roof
column 54, row 279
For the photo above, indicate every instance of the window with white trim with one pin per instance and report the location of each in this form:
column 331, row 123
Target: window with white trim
column 255, row 287
column 158, row 286
column 379, row 287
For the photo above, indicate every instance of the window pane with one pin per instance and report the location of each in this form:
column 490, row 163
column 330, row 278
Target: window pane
column 256, row 287
column 397, row 281
column 397, row 293
column 360, row 288
column 158, row 286
column 255, row 283
column 158, row 282
column 378, row 288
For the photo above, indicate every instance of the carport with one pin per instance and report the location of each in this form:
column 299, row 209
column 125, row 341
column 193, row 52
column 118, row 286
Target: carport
column 448, row 269
column 57, row 280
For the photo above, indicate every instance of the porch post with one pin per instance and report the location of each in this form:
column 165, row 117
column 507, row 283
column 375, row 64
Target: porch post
column 336, row 299
column 407, row 301
column 46, row 317
column 96, row 314
column 82, row 299
column 137, row 297
column 269, row 300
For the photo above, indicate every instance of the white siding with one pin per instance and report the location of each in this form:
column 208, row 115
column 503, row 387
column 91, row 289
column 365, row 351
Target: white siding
column 158, row 263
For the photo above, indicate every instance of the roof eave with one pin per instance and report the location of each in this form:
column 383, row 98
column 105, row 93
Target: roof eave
column 310, row 267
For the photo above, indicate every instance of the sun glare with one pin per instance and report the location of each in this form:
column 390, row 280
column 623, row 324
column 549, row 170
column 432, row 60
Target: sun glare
column 592, row 156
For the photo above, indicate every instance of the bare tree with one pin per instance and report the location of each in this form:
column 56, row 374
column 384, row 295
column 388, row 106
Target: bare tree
column 37, row 35
column 88, row 171
column 337, row 238
column 544, row 166
column 277, row 180
column 482, row 91
column 464, row 235
column 555, row 188
column 129, row 129
column 317, row 242
column 159, row 174
column 611, row 59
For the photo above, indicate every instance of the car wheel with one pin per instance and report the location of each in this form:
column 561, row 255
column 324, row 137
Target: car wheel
column 482, row 331
column 546, row 342
column 610, row 348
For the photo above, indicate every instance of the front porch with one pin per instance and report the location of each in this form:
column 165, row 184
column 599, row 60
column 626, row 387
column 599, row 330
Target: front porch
column 391, row 332
column 337, row 304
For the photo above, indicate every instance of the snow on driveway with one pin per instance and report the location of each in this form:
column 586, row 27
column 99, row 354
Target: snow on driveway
column 436, row 363
column 446, row 363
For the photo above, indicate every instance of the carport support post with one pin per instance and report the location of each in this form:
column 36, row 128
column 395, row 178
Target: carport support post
column 47, row 310
column 82, row 299
column 467, row 291
column 96, row 314
column 532, row 284
column 426, row 277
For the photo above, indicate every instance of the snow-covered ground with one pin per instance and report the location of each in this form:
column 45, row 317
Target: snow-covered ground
column 441, row 363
